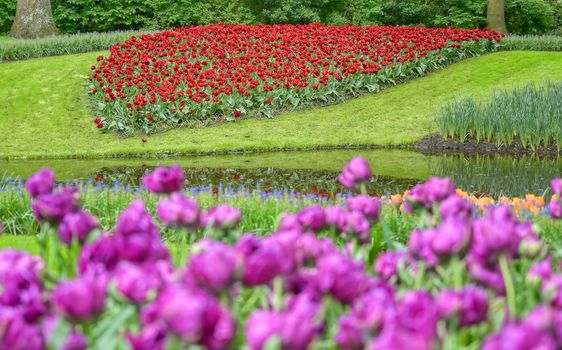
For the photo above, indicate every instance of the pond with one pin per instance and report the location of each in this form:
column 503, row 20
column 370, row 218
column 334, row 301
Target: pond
column 316, row 171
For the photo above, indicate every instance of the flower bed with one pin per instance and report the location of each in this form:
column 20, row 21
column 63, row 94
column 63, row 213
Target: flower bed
column 194, row 75
column 328, row 277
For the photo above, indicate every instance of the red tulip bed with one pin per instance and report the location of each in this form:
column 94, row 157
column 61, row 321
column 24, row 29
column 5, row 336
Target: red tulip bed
column 193, row 76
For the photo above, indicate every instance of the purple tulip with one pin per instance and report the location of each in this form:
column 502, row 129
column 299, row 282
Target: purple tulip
column 90, row 290
column 356, row 223
column 433, row 191
column 42, row 182
column 215, row 265
column 1, row 227
column 541, row 318
column 262, row 326
column 470, row 304
column 20, row 266
column 356, row 172
column 515, row 336
column 77, row 226
column 370, row 207
column 342, row 277
column 350, row 334
column 17, row 334
column 138, row 235
column 100, row 256
column 75, row 341
column 334, row 216
column 418, row 313
column 556, row 186
column 296, row 327
column 552, row 290
column 388, row 263
column 53, row 207
column 375, row 308
column 247, row 244
column 419, row 246
column 289, row 222
column 195, row 317
column 220, row 329
column 455, row 206
column 223, row 217
column 266, row 262
column 165, row 180
column 133, row 282
column 299, row 324
column 179, row 211
column 308, row 248
column 489, row 276
column 397, row 338
column 136, row 220
column 183, row 311
column 312, row 218
column 152, row 337
column 496, row 234
column 452, row 237
column 541, row 271
column 555, row 208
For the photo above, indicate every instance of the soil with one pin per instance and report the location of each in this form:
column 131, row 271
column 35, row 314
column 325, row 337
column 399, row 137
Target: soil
column 436, row 144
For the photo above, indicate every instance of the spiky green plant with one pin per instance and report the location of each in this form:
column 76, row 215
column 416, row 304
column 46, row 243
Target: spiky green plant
column 531, row 114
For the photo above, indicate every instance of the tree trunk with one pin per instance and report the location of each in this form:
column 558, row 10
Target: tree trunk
column 34, row 19
column 496, row 16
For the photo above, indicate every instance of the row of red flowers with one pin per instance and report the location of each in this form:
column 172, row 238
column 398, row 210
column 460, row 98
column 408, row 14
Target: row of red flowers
column 193, row 75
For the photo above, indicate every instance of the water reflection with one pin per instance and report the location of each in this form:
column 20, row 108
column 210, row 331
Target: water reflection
column 316, row 172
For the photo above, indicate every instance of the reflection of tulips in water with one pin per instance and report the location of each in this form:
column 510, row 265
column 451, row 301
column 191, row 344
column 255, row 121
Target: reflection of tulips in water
column 333, row 277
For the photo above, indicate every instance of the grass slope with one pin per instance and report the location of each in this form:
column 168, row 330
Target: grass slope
column 43, row 112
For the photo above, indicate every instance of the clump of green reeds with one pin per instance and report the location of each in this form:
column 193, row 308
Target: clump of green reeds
column 532, row 42
column 21, row 49
column 531, row 114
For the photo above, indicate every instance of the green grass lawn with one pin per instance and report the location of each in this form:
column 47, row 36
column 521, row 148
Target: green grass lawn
column 44, row 113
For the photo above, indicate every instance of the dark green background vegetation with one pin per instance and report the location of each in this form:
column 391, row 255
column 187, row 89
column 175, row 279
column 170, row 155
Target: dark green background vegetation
column 522, row 16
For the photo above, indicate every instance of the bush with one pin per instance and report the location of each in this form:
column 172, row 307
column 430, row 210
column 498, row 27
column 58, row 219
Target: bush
column 7, row 13
column 71, row 16
column 531, row 114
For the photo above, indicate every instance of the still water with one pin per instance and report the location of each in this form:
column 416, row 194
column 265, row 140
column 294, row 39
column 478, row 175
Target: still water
column 317, row 171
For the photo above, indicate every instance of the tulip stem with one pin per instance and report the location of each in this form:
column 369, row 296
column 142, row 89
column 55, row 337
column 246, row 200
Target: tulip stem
column 508, row 282
column 278, row 294
column 363, row 188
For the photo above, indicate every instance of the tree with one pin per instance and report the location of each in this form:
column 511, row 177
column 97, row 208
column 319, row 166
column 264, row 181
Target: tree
column 34, row 19
column 496, row 16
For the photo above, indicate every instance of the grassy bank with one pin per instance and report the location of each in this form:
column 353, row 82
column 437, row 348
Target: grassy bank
column 44, row 113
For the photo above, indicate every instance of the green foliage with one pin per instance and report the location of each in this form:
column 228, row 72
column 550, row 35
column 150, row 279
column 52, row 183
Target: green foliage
column 21, row 49
column 532, row 42
column 71, row 16
column 529, row 16
column 7, row 13
column 531, row 114
column 173, row 13
column 101, row 16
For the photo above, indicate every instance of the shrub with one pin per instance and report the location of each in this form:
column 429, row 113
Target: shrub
column 531, row 114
